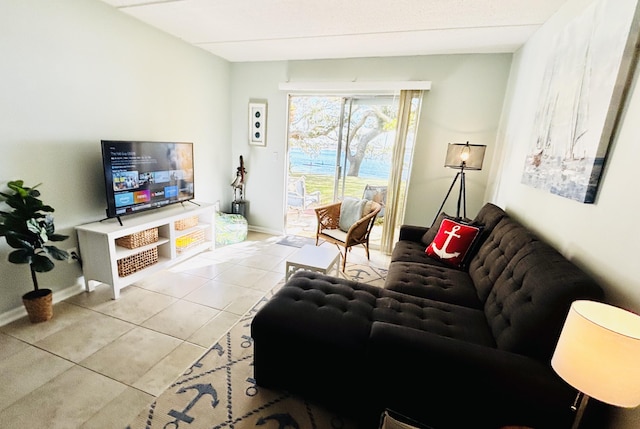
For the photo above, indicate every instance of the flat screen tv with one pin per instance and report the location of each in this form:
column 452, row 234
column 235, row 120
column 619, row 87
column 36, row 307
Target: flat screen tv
column 143, row 175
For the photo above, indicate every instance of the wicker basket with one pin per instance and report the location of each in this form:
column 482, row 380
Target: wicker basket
column 39, row 305
column 187, row 241
column 186, row 223
column 137, row 262
column 138, row 239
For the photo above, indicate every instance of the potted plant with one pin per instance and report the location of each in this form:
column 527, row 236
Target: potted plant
column 28, row 227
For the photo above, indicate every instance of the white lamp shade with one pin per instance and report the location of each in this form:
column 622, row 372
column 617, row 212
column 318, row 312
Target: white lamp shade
column 598, row 353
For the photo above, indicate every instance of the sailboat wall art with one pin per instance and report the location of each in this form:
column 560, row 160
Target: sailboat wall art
column 583, row 86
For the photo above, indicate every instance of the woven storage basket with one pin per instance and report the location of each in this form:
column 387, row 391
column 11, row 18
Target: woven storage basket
column 186, row 223
column 189, row 240
column 133, row 263
column 138, row 239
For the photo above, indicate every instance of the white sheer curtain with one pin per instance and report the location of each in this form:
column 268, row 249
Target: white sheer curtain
column 408, row 115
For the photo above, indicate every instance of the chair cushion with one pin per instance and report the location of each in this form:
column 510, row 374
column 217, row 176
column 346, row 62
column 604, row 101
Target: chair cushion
column 336, row 234
column 351, row 211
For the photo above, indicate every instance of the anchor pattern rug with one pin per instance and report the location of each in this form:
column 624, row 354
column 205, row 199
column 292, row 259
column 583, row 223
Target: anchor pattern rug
column 218, row 390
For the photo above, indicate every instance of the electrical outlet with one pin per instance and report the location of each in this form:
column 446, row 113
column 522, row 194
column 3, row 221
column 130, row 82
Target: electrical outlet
column 71, row 251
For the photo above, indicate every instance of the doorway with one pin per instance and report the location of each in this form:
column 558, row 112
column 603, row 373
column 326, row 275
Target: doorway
column 344, row 146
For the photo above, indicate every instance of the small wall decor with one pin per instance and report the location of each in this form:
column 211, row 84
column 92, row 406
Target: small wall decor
column 258, row 124
column 580, row 98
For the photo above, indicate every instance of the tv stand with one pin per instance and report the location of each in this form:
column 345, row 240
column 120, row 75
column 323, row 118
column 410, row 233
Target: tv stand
column 100, row 253
column 190, row 201
column 117, row 217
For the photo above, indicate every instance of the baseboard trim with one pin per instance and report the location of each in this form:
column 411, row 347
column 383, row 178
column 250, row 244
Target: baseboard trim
column 264, row 230
column 58, row 296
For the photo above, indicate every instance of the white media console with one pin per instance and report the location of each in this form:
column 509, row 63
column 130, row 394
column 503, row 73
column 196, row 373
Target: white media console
column 100, row 253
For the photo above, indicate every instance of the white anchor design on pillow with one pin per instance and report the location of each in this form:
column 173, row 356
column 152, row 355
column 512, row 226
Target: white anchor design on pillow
column 442, row 253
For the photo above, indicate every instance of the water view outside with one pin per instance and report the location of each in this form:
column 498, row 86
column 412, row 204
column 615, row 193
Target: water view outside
column 324, row 162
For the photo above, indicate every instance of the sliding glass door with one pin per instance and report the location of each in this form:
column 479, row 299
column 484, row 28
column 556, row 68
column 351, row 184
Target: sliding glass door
column 343, row 146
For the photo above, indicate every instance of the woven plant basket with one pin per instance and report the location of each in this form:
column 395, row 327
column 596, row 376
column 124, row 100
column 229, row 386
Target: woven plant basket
column 39, row 305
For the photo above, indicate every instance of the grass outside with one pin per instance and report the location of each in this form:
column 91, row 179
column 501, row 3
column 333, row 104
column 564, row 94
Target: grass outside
column 354, row 186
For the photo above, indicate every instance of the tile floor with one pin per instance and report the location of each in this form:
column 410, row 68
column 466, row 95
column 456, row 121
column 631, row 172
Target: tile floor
column 98, row 362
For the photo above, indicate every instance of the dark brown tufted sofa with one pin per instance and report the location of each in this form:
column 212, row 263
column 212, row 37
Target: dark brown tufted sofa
column 448, row 347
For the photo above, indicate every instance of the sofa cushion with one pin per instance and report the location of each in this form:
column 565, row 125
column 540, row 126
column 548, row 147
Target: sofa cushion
column 433, row 282
column 489, row 216
column 411, row 251
column 527, row 306
column 453, row 242
column 505, row 239
column 431, row 233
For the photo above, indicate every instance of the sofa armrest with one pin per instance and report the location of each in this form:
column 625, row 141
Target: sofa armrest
column 498, row 387
column 412, row 233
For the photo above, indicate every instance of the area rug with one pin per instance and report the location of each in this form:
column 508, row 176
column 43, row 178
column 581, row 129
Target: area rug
column 218, row 390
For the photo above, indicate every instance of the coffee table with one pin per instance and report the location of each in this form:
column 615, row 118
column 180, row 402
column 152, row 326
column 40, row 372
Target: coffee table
column 313, row 258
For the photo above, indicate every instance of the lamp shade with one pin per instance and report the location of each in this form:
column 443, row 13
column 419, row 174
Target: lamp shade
column 598, row 353
column 469, row 155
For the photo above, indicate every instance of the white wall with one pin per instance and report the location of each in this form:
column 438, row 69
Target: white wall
column 76, row 71
column 464, row 104
column 602, row 237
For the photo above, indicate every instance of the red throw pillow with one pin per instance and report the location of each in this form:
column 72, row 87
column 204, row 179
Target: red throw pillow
column 452, row 242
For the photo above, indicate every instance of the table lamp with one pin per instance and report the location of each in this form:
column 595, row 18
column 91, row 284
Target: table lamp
column 598, row 353
column 462, row 156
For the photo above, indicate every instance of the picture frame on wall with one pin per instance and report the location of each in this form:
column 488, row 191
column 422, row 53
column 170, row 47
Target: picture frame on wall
column 258, row 123
column 583, row 86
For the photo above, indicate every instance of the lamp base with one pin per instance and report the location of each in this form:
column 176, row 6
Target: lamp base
column 579, row 405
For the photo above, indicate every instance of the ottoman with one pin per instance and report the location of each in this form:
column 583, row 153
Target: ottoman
column 311, row 338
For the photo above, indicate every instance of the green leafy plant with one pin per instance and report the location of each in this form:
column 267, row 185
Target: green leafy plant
column 28, row 228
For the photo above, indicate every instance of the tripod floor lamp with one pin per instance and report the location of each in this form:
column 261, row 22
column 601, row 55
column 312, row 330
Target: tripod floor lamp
column 462, row 156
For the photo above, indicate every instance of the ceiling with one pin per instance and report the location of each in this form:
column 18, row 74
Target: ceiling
column 272, row 30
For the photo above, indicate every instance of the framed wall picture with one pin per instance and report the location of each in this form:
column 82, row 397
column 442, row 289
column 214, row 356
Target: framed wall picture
column 258, row 124
column 584, row 82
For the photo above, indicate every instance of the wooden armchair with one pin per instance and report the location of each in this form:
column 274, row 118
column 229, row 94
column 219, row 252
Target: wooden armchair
column 328, row 221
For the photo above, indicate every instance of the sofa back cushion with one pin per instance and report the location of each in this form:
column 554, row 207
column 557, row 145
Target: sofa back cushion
column 489, row 216
column 501, row 245
column 529, row 302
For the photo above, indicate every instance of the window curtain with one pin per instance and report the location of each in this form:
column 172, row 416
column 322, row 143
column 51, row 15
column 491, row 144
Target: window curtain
column 408, row 116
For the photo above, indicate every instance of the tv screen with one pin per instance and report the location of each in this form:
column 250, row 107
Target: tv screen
column 142, row 175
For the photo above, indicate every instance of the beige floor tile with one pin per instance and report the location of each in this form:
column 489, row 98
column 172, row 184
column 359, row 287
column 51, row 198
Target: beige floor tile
column 280, row 250
column 64, row 314
column 172, row 283
column 85, row 337
column 136, row 305
column 263, row 261
column 67, row 401
column 268, row 281
column 203, row 267
column 242, row 276
column 220, row 295
column 210, row 333
column 10, row 345
column 132, row 355
column 91, row 300
column 165, row 372
column 121, row 411
column 26, row 371
column 199, row 299
column 244, row 303
column 181, row 319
